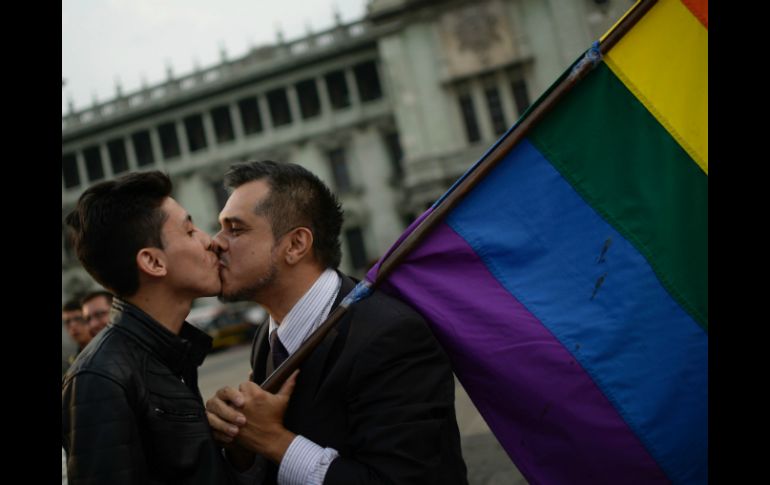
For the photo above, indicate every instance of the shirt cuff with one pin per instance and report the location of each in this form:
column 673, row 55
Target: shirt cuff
column 305, row 463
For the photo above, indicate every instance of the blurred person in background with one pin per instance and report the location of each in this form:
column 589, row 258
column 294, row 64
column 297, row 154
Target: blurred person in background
column 96, row 310
column 76, row 326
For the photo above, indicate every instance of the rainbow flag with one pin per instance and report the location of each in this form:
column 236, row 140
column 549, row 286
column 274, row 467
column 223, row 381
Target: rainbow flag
column 570, row 286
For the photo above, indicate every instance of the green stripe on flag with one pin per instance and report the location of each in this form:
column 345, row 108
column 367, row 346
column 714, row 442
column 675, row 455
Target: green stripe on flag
column 633, row 173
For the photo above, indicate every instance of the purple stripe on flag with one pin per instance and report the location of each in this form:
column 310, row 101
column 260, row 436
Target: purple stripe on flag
column 518, row 375
column 376, row 268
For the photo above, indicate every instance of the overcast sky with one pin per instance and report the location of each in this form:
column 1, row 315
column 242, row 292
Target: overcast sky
column 105, row 40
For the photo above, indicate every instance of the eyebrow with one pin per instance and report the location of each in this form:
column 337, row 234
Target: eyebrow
column 187, row 220
column 231, row 220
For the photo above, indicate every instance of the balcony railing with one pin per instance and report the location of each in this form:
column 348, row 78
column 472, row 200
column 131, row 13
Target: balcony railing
column 256, row 59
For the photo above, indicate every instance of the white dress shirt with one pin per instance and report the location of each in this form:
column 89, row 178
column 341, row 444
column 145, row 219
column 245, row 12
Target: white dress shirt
column 306, row 462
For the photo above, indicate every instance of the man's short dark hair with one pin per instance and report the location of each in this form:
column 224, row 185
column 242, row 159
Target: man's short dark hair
column 297, row 198
column 112, row 221
column 71, row 305
column 96, row 294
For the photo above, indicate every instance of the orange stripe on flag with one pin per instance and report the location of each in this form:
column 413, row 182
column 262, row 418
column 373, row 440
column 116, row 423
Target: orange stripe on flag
column 699, row 8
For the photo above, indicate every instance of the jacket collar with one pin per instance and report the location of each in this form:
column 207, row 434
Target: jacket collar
column 348, row 283
column 178, row 352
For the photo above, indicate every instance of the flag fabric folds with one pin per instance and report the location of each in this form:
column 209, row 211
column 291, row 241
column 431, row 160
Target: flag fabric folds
column 569, row 287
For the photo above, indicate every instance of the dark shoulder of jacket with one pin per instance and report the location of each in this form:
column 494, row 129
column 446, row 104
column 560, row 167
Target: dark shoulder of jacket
column 389, row 307
column 113, row 354
column 381, row 314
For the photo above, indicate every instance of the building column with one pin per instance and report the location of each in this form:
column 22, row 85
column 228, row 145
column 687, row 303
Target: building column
column 293, row 97
column 184, row 143
column 208, row 130
column 235, row 119
column 350, row 79
column 482, row 110
column 506, row 97
column 82, row 173
column 323, row 96
column 264, row 113
column 157, row 153
column 131, row 153
column 106, row 162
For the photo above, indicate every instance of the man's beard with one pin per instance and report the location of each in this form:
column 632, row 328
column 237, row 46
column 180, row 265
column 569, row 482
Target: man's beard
column 251, row 291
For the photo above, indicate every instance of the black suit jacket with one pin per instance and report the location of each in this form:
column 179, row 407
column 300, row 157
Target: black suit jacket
column 379, row 390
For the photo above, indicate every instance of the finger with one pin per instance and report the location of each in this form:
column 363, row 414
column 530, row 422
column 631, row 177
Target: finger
column 288, row 387
column 230, row 395
column 220, row 426
column 225, row 412
column 217, row 405
column 249, row 387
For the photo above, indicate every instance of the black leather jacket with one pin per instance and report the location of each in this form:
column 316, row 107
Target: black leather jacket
column 131, row 409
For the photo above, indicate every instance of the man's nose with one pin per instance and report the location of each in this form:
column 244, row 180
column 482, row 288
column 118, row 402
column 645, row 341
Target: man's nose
column 218, row 243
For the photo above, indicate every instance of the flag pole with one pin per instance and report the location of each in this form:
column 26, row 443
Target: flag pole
column 517, row 133
column 460, row 190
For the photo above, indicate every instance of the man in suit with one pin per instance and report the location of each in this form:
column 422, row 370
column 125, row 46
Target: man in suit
column 375, row 401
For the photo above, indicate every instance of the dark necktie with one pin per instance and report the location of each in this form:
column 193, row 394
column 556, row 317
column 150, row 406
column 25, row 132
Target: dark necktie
column 279, row 351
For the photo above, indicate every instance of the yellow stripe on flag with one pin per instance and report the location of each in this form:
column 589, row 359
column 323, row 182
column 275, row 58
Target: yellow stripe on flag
column 663, row 60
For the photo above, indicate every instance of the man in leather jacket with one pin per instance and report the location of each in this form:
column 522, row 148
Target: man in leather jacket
column 131, row 409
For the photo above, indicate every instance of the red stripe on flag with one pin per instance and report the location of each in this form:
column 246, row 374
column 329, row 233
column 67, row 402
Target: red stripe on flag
column 699, row 8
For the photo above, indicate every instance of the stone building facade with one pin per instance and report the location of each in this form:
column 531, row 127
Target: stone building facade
column 389, row 110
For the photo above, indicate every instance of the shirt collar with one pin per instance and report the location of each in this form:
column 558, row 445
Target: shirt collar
column 309, row 312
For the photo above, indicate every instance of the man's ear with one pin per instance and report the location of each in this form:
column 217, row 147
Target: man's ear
column 299, row 242
column 152, row 262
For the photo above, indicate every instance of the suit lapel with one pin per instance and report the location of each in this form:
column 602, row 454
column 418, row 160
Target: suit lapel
column 259, row 350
